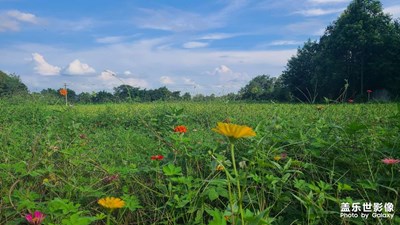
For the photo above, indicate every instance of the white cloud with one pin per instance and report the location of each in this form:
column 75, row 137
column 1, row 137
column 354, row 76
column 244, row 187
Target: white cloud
column 151, row 63
column 107, row 75
column 24, row 17
column 110, row 39
column 217, row 36
column 393, row 10
column 222, row 69
column 319, row 12
column 12, row 20
column 195, row 44
column 110, row 79
column 174, row 20
column 127, row 72
column 135, row 82
column 188, row 81
column 284, row 42
column 166, row 80
column 44, row 68
column 78, row 68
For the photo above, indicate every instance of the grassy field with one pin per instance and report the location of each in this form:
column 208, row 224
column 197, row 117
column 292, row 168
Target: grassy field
column 305, row 164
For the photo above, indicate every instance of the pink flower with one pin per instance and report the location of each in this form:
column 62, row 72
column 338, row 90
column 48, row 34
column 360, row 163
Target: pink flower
column 390, row 161
column 350, row 100
column 369, row 91
column 36, row 218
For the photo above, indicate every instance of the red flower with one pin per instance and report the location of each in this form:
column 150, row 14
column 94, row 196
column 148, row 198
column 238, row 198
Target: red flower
column 350, row 100
column 157, row 157
column 390, row 161
column 180, row 129
column 63, row 92
column 369, row 91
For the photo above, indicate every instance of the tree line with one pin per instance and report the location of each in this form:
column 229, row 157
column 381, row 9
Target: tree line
column 358, row 53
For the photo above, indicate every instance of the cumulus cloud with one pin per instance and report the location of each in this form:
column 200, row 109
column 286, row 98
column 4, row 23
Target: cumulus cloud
column 44, row 68
column 195, row 44
column 319, row 12
column 227, row 78
column 166, row 80
column 107, row 75
column 12, row 20
column 78, row 68
column 222, row 69
column 393, row 10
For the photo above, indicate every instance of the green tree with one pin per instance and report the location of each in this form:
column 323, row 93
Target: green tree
column 124, row 93
column 264, row 87
column 84, row 98
column 362, row 46
column 300, row 76
column 186, row 96
column 103, row 97
column 11, row 85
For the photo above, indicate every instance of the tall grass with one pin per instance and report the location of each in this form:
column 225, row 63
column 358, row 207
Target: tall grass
column 304, row 162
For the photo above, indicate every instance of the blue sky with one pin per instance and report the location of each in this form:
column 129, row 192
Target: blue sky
column 190, row 46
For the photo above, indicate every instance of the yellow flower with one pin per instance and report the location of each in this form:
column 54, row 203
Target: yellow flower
column 220, row 168
column 234, row 130
column 111, row 203
column 277, row 158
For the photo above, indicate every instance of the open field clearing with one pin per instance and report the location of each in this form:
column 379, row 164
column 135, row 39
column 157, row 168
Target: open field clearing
column 171, row 163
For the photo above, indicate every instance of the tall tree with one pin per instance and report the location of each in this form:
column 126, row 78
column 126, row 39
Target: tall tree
column 11, row 85
column 362, row 46
column 264, row 87
column 301, row 76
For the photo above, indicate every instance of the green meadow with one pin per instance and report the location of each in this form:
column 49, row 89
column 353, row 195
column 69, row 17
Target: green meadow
column 305, row 165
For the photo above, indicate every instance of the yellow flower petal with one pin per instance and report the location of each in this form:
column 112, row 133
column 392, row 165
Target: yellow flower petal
column 111, row 202
column 234, row 130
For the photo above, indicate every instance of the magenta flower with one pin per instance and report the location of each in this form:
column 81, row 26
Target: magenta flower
column 369, row 91
column 390, row 161
column 36, row 218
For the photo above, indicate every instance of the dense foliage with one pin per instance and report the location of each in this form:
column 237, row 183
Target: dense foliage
column 11, row 85
column 362, row 47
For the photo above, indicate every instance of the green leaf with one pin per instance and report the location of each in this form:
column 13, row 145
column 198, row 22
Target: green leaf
column 218, row 217
column 63, row 205
column 344, row 187
column 131, row 202
column 171, row 170
column 212, row 194
column 77, row 219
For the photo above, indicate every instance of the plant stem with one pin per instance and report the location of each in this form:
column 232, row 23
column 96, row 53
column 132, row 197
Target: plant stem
column 240, row 200
column 109, row 217
column 230, row 196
